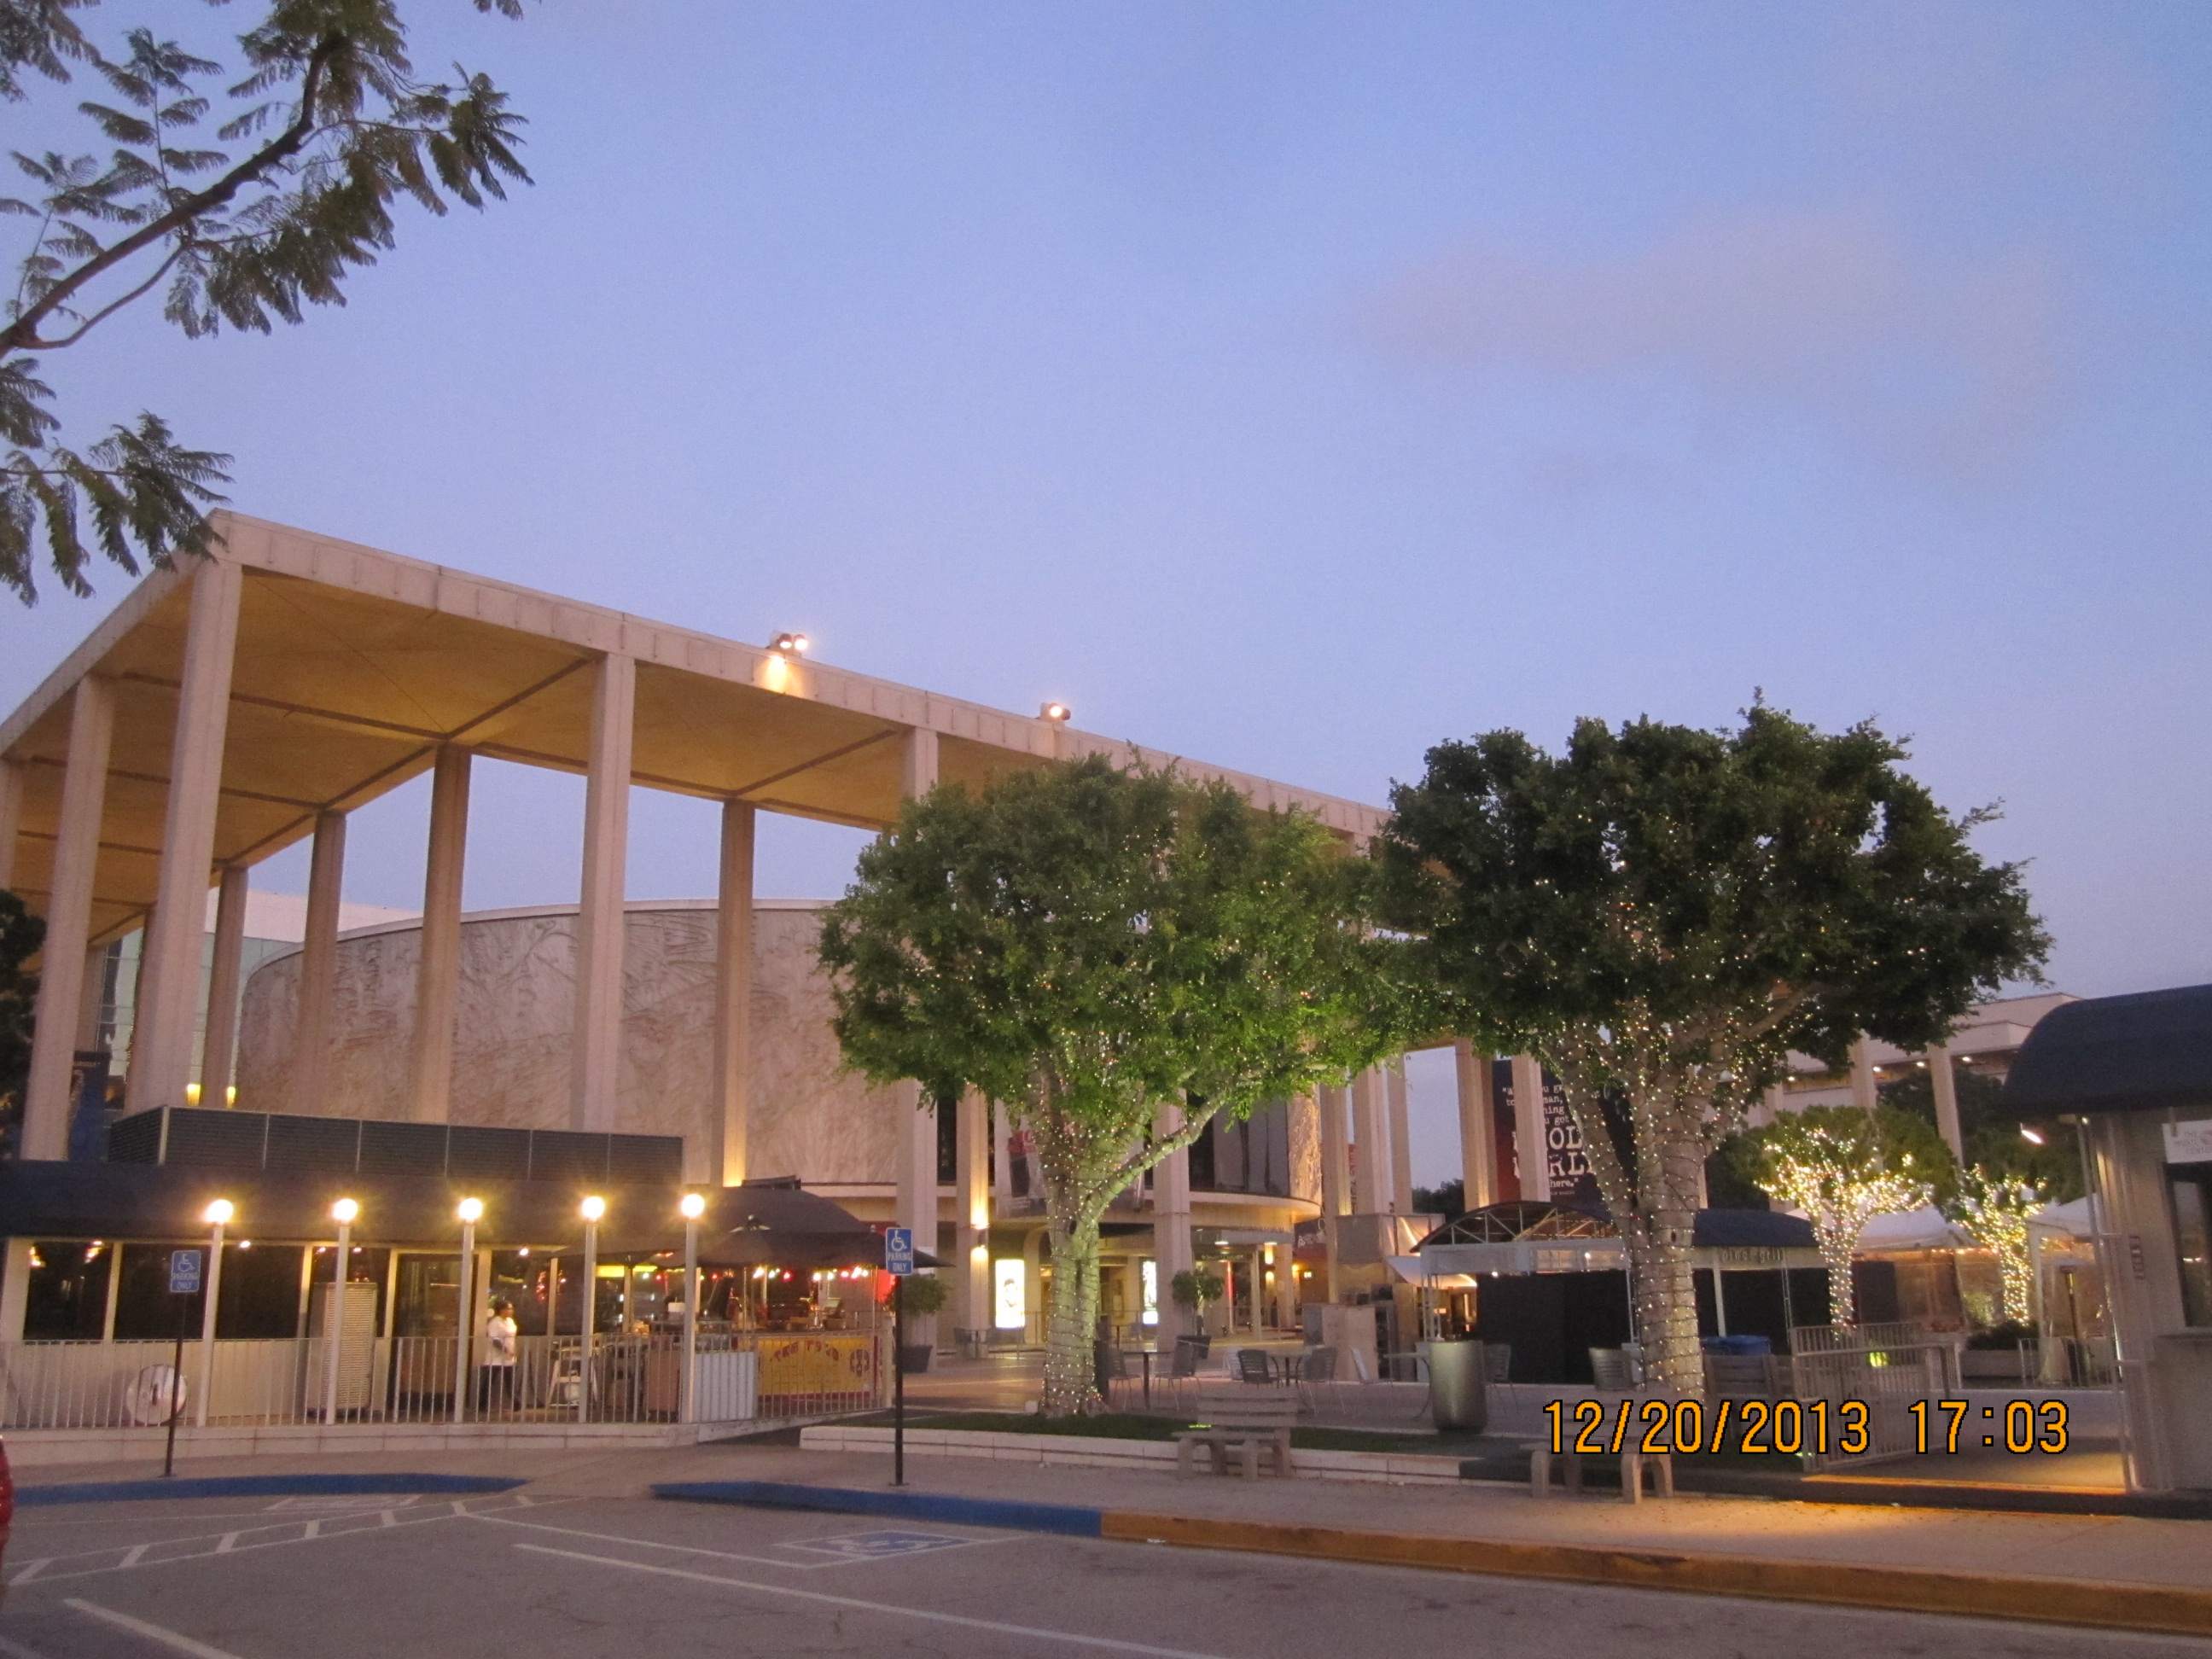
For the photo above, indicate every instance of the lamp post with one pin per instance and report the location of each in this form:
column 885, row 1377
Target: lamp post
column 593, row 1207
column 694, row 1206
column 218, row 1215
column 344, row 1212
column 471, row 1212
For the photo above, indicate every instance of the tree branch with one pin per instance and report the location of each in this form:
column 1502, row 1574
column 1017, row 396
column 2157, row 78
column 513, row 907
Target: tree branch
column 21, row 335
column 105, row 312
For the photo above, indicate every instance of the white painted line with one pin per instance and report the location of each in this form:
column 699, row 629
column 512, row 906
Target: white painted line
column 181, row 1643
column 962, row 1619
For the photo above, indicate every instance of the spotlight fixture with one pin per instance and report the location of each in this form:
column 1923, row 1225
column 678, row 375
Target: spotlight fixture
column 1057, row 713
column 789, row 645
column 2033, row 1137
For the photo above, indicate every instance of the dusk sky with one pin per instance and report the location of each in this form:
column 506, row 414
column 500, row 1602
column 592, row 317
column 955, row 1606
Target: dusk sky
column 1294, row 385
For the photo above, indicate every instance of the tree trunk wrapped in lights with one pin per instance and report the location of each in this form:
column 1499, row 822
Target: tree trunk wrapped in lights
column 1082, row 945
column 1843, row 1167
column 1995, row 1209
column 1662, row 915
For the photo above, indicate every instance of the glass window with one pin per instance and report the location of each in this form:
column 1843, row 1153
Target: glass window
column 144, row 1310
column 262, row 1293
column 65, row 1298
column 2192, row 1238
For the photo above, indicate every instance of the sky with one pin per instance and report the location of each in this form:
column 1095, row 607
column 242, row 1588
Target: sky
column 1296, row 386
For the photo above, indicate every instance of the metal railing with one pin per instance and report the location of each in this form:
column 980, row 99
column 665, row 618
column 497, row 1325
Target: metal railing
column 740, row 1377
column 1888, row 1368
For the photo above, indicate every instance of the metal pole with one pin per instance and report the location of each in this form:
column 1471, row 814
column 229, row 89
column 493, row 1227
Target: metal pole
column 898, row 1381
column 176, row 1388
column 690, row 1413
column 466, row 1320
column 1720, row 1304
column 207, row 1327
column 334, row 1326
column 590, row 1320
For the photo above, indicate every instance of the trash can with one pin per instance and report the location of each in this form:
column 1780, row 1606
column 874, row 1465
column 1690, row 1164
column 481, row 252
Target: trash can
column 1459, row 1379
column 972, row 1343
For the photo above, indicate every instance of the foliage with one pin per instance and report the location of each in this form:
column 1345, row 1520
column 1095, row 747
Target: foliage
column 1843, row 1166
column 326, row 132
column 1995, row 1207
column 1662, row 913
column 1993, row 1138
column 923, row 1294
column 1448, row 1199
column 1195, row 1287
column 1088, row 946
column 21, row 935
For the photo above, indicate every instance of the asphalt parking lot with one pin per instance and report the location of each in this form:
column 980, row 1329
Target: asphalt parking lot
column 594, row 1579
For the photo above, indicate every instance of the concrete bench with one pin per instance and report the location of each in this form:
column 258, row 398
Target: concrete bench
column 1634, row 1462
column 1246, row 1420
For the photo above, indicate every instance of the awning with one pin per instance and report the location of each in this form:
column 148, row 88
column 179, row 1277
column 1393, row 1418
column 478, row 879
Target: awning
column 2133, row 1054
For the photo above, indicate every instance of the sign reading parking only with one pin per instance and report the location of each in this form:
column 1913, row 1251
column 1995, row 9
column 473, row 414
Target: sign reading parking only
column 185, row 1272
column 898, row 1252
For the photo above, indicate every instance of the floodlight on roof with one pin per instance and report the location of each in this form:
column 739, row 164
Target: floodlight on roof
column 790, row 645
column 1058, row 713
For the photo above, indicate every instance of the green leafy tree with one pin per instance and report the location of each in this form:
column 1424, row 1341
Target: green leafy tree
column 1085, row 945
column 21, row 935
column 2052, row 1163
column 1843, row 1166
column 1662, row 913
column 328, row 129
column 1195, row 1289
column 1995, row 1207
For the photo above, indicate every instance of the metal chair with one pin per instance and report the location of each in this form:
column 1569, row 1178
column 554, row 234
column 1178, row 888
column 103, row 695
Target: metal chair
column 1252, row 1366
column 1498, row 1357
column 1609, row 1370
column 1317, row 1371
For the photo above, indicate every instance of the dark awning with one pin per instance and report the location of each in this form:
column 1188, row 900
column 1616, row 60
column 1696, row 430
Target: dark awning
column 2133, row 1054
column 166, row 1202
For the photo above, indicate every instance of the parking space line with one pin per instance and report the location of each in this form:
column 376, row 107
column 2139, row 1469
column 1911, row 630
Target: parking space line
column 928, row 1615
column 693, row 1549
column 152, row 1632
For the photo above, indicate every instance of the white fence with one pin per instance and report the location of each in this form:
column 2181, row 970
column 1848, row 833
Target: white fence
column 738, row 1377
column 1888, row 1368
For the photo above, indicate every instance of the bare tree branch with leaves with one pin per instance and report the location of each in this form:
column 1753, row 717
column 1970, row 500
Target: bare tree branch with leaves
column 329, row 131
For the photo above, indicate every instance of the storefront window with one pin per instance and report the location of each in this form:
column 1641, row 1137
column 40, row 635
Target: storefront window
column 2192, row 1236
column 65, row 1299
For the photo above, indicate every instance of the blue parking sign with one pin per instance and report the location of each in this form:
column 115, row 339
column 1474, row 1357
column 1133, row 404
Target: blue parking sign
column 185, row 1272
column 899, row 1251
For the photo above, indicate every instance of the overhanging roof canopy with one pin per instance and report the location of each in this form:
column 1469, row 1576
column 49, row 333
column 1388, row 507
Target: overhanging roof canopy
column 354, row 666
column 2131, row 1053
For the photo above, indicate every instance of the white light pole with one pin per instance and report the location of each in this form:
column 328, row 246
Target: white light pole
column 471, row 1212
column 344, row 1212
column 694, row 1206
column 217, row 1215
column 593, row 1208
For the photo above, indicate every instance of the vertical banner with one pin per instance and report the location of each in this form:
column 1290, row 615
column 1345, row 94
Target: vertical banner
column 1571, row 1180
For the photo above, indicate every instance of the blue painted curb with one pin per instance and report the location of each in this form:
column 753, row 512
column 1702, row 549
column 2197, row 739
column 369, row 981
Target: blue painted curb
column 257, row 1485
column 1061, row 1518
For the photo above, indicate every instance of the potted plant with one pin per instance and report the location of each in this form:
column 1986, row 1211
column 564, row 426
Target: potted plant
column 923, row 1296
column 1194, row 1287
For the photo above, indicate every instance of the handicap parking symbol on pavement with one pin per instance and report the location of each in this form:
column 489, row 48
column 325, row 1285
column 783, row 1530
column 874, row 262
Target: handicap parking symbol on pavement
column 874, row 1546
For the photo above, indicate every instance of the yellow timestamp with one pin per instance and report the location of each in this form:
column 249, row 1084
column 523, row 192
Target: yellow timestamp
column 1751, row 1427
column 2021, row 1426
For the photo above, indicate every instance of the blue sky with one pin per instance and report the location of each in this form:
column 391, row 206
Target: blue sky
column 1293, row 385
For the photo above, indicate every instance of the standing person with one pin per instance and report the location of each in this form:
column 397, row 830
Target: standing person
column 496, row 1377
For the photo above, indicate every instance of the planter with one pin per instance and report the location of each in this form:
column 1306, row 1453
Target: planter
column 913, row 1357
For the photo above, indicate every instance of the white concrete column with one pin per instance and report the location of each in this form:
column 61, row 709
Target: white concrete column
column 1002, row 1164
column 91, row 998
column 1866, row 1095
column 319, row 968
column 734, row 996
column 917, row 1117
column 1171, row 1249
column 11, row 818
column 595, row 1068
column 1286, row 1282
column 1478, row 1128
column 1258, row 1295
column 168, row 1015
column 1945, row 1083
column 1401, row 1137
column 219, row 1052
column 438, row 965
column 917, row 1162
column 971, row 1206
column 1371, row 1169
column 1335, row 1152
column 69, row 920
column 1530, row 1150
column 15, row 1288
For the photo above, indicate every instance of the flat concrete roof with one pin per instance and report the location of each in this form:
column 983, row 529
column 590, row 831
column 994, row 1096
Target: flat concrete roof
column 353, row 666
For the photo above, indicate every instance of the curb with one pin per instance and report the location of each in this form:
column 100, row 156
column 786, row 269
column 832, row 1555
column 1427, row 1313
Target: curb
column 1064, row 1519
column 258, row 1486
column 2156, row 1608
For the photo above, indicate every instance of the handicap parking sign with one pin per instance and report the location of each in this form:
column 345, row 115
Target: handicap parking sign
column 899, row 1251
column 185, row 1272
